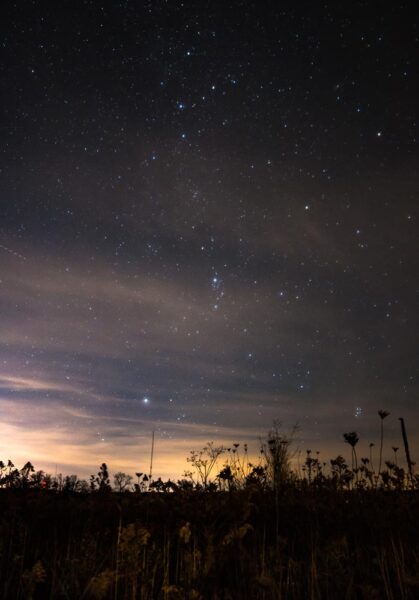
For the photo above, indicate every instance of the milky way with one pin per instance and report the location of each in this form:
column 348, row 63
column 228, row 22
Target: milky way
column 208, row 221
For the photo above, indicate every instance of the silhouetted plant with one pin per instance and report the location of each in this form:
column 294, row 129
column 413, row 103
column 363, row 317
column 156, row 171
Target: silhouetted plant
column 371, row 446
column 271, row 536
column 382, row 414
column 102, row 479
column 25, row 472
column 395, row 449
column 341, row 475
column 352, row 439
column 309, row 465
column 226, row 476
column 204, row 461
column 72, row 483
column 367, row 473
column 121, row 481
column 236, row 467
column 257, row 477
column 276, row 452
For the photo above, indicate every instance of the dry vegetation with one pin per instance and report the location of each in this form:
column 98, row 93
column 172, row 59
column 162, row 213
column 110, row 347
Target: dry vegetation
column 242, row 531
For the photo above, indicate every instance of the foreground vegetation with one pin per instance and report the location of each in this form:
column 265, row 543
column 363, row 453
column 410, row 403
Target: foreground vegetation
column 243, row 531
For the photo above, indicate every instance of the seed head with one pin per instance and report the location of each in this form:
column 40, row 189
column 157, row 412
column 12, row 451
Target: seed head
column 383, row 414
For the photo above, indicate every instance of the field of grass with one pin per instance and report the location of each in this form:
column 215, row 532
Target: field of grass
column 246, row 531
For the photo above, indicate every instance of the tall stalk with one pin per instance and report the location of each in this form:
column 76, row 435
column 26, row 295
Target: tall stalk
column 371, row 463
column 406, row 449
column 382, row 414
column 352, row 439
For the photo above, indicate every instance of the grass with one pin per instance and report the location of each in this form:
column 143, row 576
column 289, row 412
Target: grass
column 247, row 531
column 250, row 544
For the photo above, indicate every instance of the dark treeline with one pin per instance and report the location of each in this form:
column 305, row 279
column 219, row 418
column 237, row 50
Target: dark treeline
column 230, row 529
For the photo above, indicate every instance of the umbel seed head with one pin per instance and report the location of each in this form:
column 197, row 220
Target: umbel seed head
column 383, row 414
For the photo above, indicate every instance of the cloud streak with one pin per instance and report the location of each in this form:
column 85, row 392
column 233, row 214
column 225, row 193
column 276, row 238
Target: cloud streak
column 83, row 344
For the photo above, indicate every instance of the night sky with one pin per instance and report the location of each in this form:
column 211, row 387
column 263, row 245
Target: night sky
column 208, row 220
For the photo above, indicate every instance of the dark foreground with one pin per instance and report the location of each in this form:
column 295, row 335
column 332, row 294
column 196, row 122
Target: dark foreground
column 248, row 544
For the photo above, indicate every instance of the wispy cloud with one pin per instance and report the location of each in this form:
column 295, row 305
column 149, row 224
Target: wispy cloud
column 81, row 347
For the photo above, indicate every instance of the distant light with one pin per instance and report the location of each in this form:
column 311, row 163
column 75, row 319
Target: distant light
column 379, row 134
column 145, row 400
